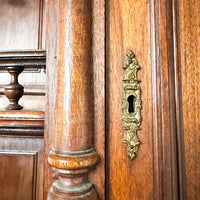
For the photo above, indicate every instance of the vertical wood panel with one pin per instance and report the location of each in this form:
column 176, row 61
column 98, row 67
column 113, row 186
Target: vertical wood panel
column 189, row 43
column 20, row 24
column 19, row 183
column 98, row 175
column 21, row 167
column 164, row 118
column 146, row 27
column 128, row 28
column 51, row 42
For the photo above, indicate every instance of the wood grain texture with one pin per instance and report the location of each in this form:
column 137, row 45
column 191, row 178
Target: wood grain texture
column 128, row 28
column 189, row 61
column 25, row 180
column 74, row 102
column 20, row 24
column 21, row 136
column 74, row 106
column 164, row 118
column 146, row 27
column 23, row 117
column 51, row 43
column 98, row 57
column 97, row 176
column 20, row 183
column 22, row 123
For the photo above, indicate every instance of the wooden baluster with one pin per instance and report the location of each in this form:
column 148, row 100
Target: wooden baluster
column 14, row 91
column 73, row 155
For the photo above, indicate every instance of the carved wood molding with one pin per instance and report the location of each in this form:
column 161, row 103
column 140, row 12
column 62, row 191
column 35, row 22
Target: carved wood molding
column 22, row 123
column 83, row 160
column 23, row 58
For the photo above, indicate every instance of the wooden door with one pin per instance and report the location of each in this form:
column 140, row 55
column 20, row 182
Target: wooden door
column 146, row 28
column 164, row 37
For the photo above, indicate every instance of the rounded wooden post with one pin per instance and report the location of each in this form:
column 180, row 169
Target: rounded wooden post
column 73, row 155
column 14, row 91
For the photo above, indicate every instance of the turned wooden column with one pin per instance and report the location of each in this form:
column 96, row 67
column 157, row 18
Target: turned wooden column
column 14, row 91
column 73, row 155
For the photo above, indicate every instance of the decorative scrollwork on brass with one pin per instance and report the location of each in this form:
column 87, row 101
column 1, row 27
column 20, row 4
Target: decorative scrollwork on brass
column 131, row 105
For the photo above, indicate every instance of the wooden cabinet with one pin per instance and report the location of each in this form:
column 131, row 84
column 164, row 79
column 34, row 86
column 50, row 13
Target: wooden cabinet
column 87, row 42
column 164, row 36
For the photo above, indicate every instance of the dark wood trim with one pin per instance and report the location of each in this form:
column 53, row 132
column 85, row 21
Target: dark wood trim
column 179, row 106
column 22, row 123
column 40, row 24
column 23, row 58
column 10, row 130
column 164, row 110
column 36, row 90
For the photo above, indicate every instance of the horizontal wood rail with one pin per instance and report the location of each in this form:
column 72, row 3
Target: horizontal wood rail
column 22, row 123
column 15, row 62
column 38, row 90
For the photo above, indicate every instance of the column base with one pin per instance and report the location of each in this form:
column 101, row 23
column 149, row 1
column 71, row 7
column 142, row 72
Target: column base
column 72, row 170
column 91, row 195
column 72, row 185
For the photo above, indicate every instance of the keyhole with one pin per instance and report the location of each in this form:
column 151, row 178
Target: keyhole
column 131, row 101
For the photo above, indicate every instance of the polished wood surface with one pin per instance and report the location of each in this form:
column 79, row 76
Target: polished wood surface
column 21, row 132
column 51, row 43
column 36, row 90
column 21, row 24
column 147, row 29
column 21, row 146
column 74, row 103
column 14, row 91
column 164, row 118
column 74, row 106
column 20, row 183
column 22, row 167
column 125, row 178
column 98, row 56
column 188, row 74
column 98, row 29
column 15, row 62
column 164, row 35
column 22, row 123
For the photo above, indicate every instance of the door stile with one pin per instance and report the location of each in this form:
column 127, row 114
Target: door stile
column 164, row 105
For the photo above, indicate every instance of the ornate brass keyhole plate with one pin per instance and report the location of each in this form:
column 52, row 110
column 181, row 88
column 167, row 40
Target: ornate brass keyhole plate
column 131, row 105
